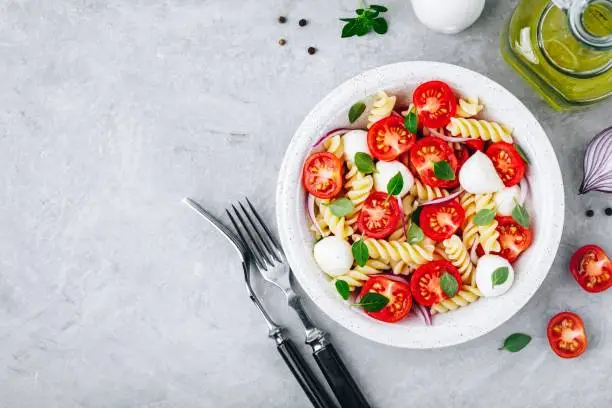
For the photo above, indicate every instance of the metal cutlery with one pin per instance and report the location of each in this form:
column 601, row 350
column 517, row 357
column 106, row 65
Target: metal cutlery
column 287, row 349
column 272, row 264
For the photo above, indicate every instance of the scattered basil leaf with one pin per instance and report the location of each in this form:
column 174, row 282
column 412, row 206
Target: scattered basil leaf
column 395, row 185
column 341, row 207
column 348, row 19
column 367, row 19
column 356, row 110
column 359, row 11
column 411, row 122
column 343, row 289
column 364, row 163
column 484, row 217
column 373, row 302
column 449, row 284
column 415, row 234
column 360, row 252
column 516, row 342
column 363, row 27
column 416, row 215
column 380, row 26
column 443, row 170
column 521, row 153
column 500, row 275
column 376, row 7
column 350, row 29
column 520, row 215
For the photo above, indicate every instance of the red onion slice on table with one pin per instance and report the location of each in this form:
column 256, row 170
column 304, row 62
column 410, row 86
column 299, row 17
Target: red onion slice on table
column 598, row 163
column 444, row 199
column 451, row 139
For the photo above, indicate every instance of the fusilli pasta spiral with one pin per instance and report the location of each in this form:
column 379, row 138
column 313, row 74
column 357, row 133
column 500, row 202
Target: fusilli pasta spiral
column 322, row 225
column 458, row 255
column 424, row 192
column 483, row 129
column 467, row 294
column 488, row 233
column 359, row 274
column 382, row 107
column 468, row 107
column 358, row 186
column 337, row 225
column 388, row 251
column 335, row 146
column 470, row 230
column 402, row 268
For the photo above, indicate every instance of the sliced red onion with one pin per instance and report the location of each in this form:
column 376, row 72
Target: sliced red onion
column 330, row 134
column 395, row 278
column 473, row 254
column 451, row 139
column 524, row 185
column 444, row 199
column 598, row 163
column 311, row 213
column 425, row 314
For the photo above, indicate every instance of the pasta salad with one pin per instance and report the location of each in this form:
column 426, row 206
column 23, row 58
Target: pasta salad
column 422, row 209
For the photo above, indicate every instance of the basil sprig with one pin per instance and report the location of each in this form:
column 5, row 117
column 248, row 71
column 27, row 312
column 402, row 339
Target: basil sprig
column 395, row 185
column 520, row 214
column 367, row 19
column 355, row 111
column 360, row 252
column 343, row 289
column 364, row 163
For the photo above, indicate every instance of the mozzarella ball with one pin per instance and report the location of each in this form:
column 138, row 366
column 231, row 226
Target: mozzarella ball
column 485, row 268
column 355, row 141
column 386, row 170
column 333, row 255
column 506, row 199
column 478, row 175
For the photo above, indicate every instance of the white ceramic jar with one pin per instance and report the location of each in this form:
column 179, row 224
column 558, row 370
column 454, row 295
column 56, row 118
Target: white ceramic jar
column 448, row 16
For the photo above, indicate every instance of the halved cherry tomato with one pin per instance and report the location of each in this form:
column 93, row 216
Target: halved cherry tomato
column 513, row 238
column 566, row 335
column 322, row 175
column 428, row 151
column 425, row 282
column 379, row 215
column 398, row 293
column 507, row 162
column 440, row 221
column 592, row 268
column 435, row 103
column 388, row 138
column 462, row 155
column 475, row 144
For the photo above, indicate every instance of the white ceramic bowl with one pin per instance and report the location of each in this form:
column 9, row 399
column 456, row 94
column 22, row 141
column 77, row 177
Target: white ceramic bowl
column 546, row 205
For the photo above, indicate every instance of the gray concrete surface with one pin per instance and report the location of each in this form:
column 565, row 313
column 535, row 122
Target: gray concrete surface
column 113, row 294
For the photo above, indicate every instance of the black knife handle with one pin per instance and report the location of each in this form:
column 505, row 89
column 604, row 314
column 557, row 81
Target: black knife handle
column 342, row 384
column 308, row 381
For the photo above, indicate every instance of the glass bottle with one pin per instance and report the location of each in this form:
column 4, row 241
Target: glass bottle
column 563, row 48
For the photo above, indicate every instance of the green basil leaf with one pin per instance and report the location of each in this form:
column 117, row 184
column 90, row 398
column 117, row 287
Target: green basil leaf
column 363, row 26
column 350, row 29
column 343, row 289
column 443, row 170
column 500, row 275
column 380, row 27
column 484, row 217
column 355, row 111
column 416, row 215
column 516, row 342
column 520, row 215
column 360, row 252
column 376, row 7
column 347, row 19
column 395, row 185
column 359, row 11
column 415, row 234
column 449, row 284
column 364, row 163
column 521, row 153
column 341, row 207
column 410, row 121
column 373, row 302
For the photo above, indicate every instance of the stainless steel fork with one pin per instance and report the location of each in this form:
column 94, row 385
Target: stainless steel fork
column 271, row 262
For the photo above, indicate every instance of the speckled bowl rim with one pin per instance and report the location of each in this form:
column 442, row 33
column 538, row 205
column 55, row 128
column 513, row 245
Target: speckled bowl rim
column 546, row 206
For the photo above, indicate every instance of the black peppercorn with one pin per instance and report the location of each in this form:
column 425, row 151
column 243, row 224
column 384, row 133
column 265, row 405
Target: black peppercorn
column 312, row 50
column 282, row 19
column 282, row 41
column 303, row 22
column 608, row 211
column 589, row 213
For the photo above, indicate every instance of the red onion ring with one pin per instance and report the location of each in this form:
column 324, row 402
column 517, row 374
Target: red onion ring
column 598, row 163
column 524, row 190
column 311, row 214
column 330, row 134
column 444, row 199
column 451, row 139
column 395, row 278
column 424, row 313
column 473, row 254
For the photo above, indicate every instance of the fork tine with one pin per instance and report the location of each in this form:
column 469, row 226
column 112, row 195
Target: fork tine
column 265, row 243
column 265, row 227
column 258, row 261
column 257, row 251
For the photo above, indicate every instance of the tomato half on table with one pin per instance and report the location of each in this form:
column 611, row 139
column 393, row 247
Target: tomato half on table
column 398, row 293
column 388, row 138
column 379, row 215
column 425, row 282
column 426, row 153
column 513, row 238
column 592, row 268
column 322, row 175
column 440, row 221
column 507, row 161
column 435, row 103
column 566, row 335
